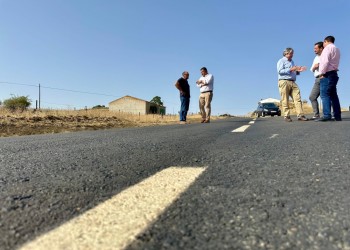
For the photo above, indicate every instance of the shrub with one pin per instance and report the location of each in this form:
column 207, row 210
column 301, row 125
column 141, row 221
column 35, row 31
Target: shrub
column 17, row 103
column 99, row 107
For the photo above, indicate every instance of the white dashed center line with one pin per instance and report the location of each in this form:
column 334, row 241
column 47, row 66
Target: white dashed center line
column 241, row 129
column 115, row 223
column 273, row 136
column 251, row 122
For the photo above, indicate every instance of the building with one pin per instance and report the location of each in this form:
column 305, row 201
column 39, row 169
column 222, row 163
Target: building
column 129, row 104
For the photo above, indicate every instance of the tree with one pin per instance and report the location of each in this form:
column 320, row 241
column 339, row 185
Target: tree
column 99, row 107
column 157, row 100
column 17, row 103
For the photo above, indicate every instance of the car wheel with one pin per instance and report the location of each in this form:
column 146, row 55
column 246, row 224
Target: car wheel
column 263, row 114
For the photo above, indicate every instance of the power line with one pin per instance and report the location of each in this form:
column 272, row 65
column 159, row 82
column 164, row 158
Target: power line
column 78, row 91
column 60, row 89
column 23, row 84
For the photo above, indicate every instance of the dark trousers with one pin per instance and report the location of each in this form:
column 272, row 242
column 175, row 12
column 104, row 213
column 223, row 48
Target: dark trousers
column 185, row 104
column 329, row 96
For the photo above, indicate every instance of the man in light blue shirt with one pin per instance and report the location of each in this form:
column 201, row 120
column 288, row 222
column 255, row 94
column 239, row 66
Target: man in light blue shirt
column 287, row 73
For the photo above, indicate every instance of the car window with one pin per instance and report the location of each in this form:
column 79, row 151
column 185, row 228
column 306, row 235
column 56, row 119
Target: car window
column 269, row 105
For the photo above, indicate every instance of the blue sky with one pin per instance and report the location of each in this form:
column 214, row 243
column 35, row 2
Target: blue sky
column 140, row 48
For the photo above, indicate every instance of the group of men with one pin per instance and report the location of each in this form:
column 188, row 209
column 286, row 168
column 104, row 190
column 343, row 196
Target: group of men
column 206, row 87
column 325, row 68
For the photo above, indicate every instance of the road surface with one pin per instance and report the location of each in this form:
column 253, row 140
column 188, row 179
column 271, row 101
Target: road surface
column 236, row 183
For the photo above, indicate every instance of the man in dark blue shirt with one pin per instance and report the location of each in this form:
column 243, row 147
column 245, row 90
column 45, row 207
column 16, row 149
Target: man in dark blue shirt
column 184, row 88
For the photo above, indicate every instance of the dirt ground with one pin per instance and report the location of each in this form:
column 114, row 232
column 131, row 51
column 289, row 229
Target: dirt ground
column 16, row 126
column 28, row 123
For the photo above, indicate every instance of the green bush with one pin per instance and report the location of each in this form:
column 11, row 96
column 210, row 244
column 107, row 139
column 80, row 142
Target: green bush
column 17, row 103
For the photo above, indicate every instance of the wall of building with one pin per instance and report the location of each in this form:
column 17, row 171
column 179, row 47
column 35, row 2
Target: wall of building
column 128, row 105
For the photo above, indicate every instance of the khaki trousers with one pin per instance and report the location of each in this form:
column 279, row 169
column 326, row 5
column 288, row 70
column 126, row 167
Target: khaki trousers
column 205, row 104
column 290, row 89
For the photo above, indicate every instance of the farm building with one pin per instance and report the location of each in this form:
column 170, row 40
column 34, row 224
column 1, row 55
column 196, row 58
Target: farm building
column 129, row 104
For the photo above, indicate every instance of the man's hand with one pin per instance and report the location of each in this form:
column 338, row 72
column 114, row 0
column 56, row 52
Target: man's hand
column 294, row 68
column 301, row 68
column 315, row 66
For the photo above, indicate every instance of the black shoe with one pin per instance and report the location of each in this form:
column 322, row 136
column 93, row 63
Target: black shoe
column 322, row 119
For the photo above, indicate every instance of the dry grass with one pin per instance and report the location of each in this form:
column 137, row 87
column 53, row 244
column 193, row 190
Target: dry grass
column 306, row 107
column 56, row 121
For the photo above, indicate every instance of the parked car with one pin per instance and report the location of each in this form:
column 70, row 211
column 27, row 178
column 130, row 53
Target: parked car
column 264, row 109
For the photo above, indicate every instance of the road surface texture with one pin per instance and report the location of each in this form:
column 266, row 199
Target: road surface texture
column 276, row 185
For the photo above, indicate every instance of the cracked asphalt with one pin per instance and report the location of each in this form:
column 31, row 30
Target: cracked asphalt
column 259, row 191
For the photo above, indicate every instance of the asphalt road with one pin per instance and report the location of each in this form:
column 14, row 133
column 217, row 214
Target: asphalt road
column 276, row 185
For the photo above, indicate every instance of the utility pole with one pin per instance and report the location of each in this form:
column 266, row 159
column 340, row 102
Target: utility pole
column 39, row 96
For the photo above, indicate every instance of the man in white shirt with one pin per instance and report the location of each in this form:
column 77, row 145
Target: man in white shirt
column 206, row 85
column 315, row 92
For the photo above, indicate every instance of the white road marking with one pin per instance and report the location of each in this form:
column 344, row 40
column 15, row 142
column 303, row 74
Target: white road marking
column 273, row 136
column 241, row 129
column 251, row 122
column 115, row 223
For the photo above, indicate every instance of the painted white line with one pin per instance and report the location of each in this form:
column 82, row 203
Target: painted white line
column 241, row 129
column 273, row 136
column 251, row 122
column 115, row 223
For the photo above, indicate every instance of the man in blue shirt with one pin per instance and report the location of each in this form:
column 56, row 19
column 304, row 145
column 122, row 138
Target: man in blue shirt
column 287, row 73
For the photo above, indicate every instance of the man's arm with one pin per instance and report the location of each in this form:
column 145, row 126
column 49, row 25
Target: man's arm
column 281, row 68
column 324, row 60
column 315, row 65
column 178, row 86
column 200, row 82
column 205, row 80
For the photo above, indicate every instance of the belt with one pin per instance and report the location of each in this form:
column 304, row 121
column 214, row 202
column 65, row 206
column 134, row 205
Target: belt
column 207, row 91
column 330, row 73
column 286, row 80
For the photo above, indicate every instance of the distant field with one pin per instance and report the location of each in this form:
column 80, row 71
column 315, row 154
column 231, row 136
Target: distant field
column 56, row 121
